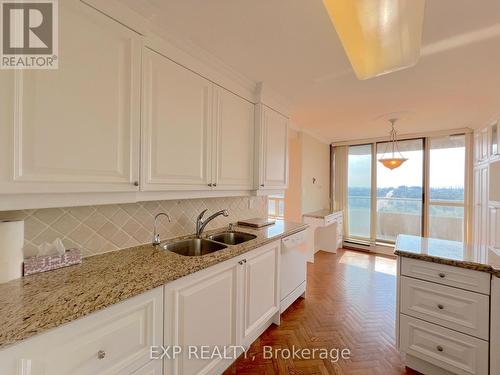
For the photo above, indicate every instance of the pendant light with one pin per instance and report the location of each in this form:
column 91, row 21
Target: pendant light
column 396, row 159
column 378, row 36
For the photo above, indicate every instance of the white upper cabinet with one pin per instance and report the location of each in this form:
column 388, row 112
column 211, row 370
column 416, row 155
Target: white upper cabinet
column 272, row 149
column 234, row 142
column 75, row 129
column 176, row 126
column 195, row 135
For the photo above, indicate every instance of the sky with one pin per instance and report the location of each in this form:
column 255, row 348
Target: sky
column 447, row 169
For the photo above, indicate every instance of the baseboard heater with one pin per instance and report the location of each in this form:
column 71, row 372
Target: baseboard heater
column 358, row 245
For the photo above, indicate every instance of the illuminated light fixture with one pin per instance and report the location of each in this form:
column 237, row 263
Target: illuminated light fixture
column 378, row 36
column 396, row 159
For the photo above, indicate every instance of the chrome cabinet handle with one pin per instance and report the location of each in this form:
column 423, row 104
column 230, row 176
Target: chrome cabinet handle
column 101, row 354
column 442, row 275
column 440, row 307
column 439, row 348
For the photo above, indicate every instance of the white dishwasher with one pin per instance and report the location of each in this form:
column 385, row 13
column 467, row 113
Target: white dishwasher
column 293, row 268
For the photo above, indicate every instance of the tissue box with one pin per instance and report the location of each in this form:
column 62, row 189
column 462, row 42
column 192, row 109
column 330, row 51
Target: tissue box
column 51, row 262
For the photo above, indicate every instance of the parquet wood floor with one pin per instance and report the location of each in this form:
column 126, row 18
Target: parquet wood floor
column 350, row 303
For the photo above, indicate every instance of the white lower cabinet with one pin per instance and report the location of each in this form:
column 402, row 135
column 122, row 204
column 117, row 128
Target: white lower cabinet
column 444, row 348
column 201, row 311
column 261, row 298
column 116, row 340
column 444, row 318
column 212, row 314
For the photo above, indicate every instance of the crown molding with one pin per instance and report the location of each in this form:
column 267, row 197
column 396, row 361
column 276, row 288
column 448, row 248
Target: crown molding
column 179, row 50
column 265, row 95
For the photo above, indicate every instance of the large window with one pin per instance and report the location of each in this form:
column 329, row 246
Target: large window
column 359, row 190
column 424, row 197
column 446, row 187
column 400, row 193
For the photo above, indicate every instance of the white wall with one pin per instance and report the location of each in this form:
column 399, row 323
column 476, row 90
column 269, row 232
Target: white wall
column 315, row 165
column 308, row 158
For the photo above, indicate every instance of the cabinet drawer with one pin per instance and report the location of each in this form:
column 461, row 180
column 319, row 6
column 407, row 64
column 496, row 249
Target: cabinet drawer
column 458, row 309
column 116, row 340
column 450, row 350
column 457, row 277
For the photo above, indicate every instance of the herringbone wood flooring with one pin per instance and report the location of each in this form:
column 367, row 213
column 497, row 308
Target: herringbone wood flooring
column 350, row 303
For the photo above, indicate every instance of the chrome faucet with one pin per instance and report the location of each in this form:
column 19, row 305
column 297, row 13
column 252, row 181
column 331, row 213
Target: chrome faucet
column 201, row 224
column 156, row 235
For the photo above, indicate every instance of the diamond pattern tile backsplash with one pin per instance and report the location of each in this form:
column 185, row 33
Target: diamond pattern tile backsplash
column 99, row 229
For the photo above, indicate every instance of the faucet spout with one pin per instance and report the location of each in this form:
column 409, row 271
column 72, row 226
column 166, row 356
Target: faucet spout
column 201, row 224
column 156, row 235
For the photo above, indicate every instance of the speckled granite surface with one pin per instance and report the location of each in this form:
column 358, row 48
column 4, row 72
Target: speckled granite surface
column 321, row 214
column 451, row 253
column 35, row 303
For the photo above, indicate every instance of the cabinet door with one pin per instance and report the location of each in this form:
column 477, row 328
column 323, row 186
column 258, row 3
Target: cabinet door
column 75, row 129
column 484, row 213
column 494, row 219
column 477, row 146
column 177, row 126
column 201, row 311
column 477, row 208
column 273, row 150
column 115, row 340
column 261, row 289
column 485, row 144
column 234, row 142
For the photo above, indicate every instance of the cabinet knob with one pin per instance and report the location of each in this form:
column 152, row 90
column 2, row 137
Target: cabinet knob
column 241, row 262
column 136, row 183
column 442, row 275
column 215, row 185
column 439, row 348
column 440, row 307
column 261, row 185
column 210, row 185
column 101, row 354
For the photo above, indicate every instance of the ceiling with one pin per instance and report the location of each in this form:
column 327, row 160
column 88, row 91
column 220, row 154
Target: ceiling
column 291, row 45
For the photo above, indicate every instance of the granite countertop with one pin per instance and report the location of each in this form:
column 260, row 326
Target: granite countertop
column 451, row 253
column 321, row 214
column 33, row 304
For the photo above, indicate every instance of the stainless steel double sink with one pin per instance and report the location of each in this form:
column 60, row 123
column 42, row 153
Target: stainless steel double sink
column 203, row 246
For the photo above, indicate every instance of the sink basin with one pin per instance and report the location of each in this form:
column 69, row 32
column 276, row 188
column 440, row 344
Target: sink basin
column 194, row 247
column 232, row 238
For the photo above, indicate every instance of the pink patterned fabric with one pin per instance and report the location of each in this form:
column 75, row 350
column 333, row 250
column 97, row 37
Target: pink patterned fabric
column 51, row 262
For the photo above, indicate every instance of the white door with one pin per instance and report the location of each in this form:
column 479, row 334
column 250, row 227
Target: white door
column 261, row 295
column 176, row 126
column 274, row 150
column 234, row 142
column 50, row 118
column 201, row 311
